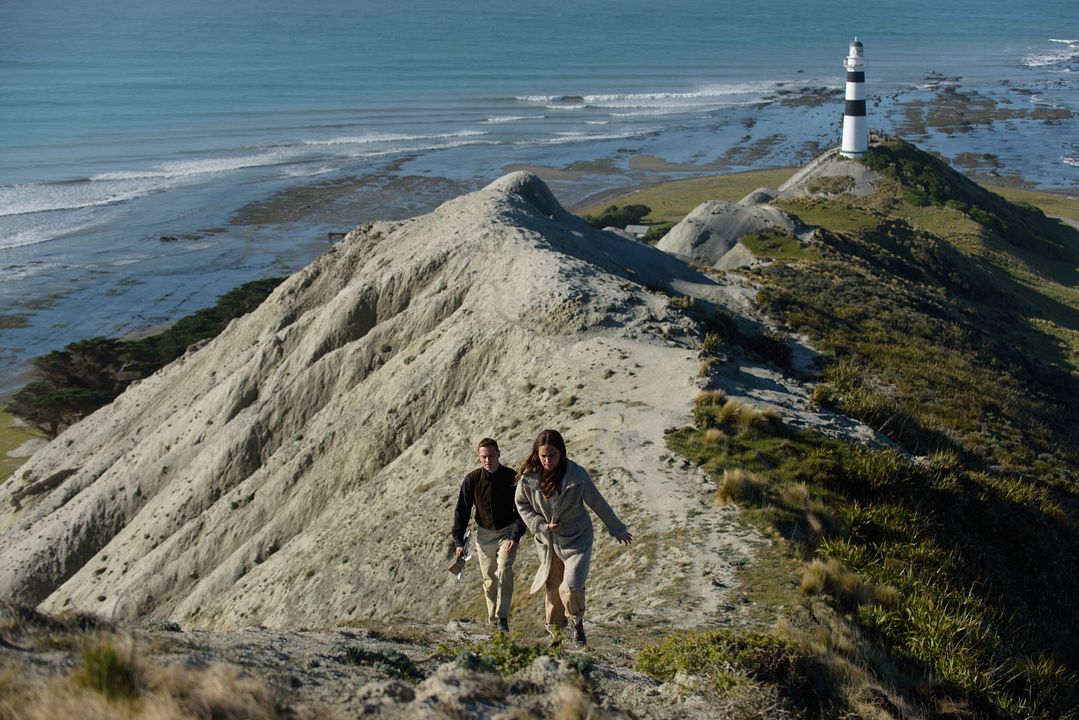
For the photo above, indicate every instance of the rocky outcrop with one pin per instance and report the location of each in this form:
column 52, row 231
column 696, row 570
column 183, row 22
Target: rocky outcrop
column 713, row 229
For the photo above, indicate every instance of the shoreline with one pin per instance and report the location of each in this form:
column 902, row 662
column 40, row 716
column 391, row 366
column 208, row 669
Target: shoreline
column 306, row 203
column 154, row 274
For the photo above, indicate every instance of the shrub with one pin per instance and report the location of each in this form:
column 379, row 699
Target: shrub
column 618, row 216
column 834, row 185
column 769, row 346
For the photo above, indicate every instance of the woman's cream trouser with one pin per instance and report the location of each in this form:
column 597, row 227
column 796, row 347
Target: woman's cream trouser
column 560, row 602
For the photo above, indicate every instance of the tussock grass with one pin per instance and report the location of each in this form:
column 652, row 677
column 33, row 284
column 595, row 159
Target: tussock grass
column 574, row 704
column 873, row 684
column 714, row 410
column 831, row 577
column 714, row 436
column 69, row 631
column 710, row 397
column 109, row 670
column 112, row 682
column 740, row 486
column 712, row 342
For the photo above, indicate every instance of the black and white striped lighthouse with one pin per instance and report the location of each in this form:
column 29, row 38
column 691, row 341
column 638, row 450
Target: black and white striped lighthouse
column 855, row 132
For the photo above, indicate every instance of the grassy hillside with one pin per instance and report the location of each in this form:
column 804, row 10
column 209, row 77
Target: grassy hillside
column 12, row 436
column 948, row 319
column 672, row 201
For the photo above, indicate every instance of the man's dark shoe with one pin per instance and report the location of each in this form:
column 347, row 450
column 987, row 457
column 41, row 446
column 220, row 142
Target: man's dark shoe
column 578, row 634
column 504, row 625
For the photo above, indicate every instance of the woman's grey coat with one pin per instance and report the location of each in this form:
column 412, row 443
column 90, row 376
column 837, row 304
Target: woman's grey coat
column 573, row 542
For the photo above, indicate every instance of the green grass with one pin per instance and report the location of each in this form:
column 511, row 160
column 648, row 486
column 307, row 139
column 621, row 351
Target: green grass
column 774, row 245
column 723, row 660
column 947, row 320
column 936, row 556
column 11, row 437
column 1054, row 204
column 672, row 201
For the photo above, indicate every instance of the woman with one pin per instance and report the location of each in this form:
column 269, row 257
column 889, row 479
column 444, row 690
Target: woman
column 552, row 491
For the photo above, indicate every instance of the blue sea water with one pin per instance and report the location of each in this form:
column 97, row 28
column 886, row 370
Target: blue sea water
column 124, row 121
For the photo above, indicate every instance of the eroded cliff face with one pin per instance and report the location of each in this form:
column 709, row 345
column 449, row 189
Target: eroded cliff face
column 300, row 469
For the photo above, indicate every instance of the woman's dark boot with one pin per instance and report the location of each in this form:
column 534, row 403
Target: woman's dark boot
column 578, row 634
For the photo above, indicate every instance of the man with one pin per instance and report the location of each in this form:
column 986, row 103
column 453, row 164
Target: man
column 490, row 490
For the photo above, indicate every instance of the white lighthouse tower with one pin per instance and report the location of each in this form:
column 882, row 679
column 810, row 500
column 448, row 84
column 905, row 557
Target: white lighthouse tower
column 855, row 131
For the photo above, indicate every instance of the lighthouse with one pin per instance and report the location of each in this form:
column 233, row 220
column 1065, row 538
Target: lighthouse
column 855, row 133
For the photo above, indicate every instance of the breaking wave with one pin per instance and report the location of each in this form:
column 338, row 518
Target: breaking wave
column 1062, row 56
column 673, row 101
column 513, row 118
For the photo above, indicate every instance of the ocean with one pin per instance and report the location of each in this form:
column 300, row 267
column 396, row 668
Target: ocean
column 155, row 154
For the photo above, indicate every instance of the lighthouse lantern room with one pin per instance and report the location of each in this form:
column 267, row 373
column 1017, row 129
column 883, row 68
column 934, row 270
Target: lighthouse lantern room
column 855, row 130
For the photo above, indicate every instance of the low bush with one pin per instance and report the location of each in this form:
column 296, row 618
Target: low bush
column 618, row 216
column 500, row 654
column 656, row 232
column 389, row 662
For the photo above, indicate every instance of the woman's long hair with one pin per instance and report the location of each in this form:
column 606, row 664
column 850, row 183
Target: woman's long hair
column 550, row 482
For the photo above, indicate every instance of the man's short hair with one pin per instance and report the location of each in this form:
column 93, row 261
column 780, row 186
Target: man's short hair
column 488, row 442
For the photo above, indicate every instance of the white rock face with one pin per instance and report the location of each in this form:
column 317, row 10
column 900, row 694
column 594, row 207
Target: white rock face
column 712, row 230
column 300, row 470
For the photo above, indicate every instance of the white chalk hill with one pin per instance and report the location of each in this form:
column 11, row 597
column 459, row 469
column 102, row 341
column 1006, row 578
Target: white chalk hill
column 301, row 468
column 711, row 234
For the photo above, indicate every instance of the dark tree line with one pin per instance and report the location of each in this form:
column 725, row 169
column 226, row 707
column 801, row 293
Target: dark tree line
column 86, row 375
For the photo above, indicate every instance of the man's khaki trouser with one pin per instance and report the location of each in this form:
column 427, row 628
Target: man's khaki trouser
column 496, row 566
column 560, row 602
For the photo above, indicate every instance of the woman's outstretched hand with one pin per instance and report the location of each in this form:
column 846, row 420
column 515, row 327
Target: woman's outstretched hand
column 626, row 539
